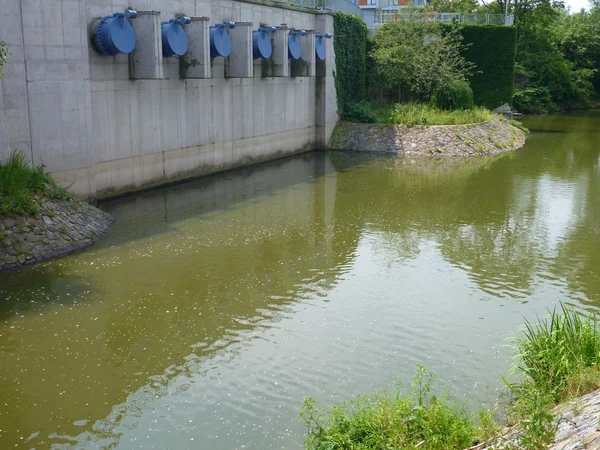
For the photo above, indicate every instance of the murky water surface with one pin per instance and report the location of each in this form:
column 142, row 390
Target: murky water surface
column 215, row 307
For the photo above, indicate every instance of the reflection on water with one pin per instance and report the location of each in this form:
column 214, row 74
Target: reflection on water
column 216, row 306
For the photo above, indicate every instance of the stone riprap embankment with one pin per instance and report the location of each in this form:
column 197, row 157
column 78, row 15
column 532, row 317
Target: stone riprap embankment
column 60, row 227
column 486, row 138
column 577, row 427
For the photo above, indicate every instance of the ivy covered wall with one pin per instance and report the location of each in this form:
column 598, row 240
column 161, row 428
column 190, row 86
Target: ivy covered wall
column 350, row 47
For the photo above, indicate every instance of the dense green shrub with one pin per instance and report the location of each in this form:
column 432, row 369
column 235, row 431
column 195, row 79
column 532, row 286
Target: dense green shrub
column 359, row 112
column 492, row 49
column 452, row 96
column 350, row 59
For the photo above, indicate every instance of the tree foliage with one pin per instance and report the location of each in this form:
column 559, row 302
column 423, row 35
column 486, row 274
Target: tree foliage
column 414, row 58
column 558, row 52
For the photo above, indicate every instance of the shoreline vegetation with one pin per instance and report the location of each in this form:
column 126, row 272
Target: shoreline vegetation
column 556, row 360
column 414, row 114
column 23, row 185
column 40, row 220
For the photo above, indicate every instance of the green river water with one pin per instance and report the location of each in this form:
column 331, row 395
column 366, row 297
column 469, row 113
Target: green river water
column 215, row 306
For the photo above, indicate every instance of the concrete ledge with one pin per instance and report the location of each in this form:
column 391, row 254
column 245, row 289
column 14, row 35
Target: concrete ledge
column 61, row 227
column 487, row 138
column 139, row 172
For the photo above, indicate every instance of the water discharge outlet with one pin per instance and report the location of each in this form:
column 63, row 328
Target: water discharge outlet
column 174, row 38
column 262, row 46
column 220, row 42
column 114, row 34
column 321, row 45
column 294, row 44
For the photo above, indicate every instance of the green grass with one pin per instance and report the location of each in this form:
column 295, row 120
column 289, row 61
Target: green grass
column 392, row 420
column 519, row 125
column 559, row 355
column 557, row 359
column 412, row 114
column 20, row 183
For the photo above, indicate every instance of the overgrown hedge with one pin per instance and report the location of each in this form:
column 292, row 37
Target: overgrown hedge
column 350, row 58
column 492, row 48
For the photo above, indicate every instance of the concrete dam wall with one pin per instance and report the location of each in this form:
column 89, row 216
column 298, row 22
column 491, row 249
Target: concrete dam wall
column 105, row 125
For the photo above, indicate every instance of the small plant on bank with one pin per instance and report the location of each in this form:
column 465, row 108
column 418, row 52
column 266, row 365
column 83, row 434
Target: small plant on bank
column 453, row 96
column 20, row 183
column 519, row 125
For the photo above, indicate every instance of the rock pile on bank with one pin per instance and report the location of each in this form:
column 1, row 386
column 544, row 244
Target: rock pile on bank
column 60, row 227
column 488, row 138
column 577, row 422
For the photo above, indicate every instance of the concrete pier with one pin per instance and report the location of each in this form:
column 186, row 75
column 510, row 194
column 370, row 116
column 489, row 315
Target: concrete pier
column 146, row 61
column 240, row 63
column 196, row 62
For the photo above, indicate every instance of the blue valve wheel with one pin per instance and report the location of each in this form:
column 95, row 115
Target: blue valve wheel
column 294, row 46
column 174, row 39
column 321, row 48
column 114, row 35
column 220, row 43
column 261, row 45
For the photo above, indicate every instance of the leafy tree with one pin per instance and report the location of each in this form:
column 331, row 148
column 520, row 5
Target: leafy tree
column 415, row 59
column 546, row 78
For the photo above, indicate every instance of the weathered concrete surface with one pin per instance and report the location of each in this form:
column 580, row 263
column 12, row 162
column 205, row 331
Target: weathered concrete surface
column 487, row 138
column 101, row 133
column 60, row 227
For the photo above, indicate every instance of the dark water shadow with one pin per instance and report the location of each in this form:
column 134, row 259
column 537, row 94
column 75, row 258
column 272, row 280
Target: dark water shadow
column 36, row 287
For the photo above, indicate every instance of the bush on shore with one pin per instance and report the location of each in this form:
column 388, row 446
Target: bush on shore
column 557, row 360
column 392, row 420
column 20, row 183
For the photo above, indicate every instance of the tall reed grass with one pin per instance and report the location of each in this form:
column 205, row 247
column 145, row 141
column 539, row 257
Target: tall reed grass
column 559, row 354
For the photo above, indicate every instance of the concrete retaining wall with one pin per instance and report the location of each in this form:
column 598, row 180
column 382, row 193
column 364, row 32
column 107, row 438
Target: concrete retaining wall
column 101, row 133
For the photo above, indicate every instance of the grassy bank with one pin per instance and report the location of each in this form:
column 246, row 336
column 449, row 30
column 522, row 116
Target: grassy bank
column 556, row 360
column 21, row 183
column 412, row 114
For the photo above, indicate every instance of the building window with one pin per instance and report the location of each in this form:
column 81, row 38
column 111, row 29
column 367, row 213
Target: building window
column 372, row 2
column 394, row 2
